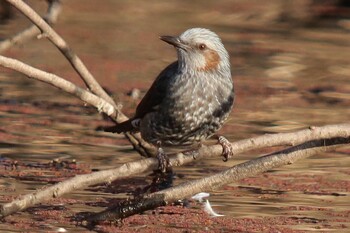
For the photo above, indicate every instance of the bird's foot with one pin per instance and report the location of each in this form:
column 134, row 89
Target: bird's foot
column 227, row 150
column 163, row 160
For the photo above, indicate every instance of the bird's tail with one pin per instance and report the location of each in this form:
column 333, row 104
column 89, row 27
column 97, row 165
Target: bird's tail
column 123, row 127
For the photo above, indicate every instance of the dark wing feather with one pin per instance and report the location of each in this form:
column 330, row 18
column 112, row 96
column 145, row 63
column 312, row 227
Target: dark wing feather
column 157, row 91
column 150, row 101
column 125, row 126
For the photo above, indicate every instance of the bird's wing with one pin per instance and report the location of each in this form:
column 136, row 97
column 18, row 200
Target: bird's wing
column 150, row 101
column 157, row 91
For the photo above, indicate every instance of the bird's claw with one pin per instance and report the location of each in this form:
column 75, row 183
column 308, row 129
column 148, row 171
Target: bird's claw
column 163, row 160
column 227, row 150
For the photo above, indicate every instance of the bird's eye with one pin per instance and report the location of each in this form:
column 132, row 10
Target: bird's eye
column 202, row 46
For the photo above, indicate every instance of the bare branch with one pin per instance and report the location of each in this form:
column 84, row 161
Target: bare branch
column 144, row 148
column 54, row 9
column 58, row 41
column 329, row 132
column 77, row 182
column 209, row 183
column 294, row 138
column 54, row 80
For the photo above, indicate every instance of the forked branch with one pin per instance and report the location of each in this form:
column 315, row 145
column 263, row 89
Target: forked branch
column 209, row 183
column 61, row 44
column 144, row 148
column 316, row 136
column 54, row 9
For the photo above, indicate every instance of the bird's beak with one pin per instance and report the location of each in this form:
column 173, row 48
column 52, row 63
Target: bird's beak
column 175, row 41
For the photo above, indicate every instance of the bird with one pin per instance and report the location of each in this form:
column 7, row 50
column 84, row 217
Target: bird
column 191, row 98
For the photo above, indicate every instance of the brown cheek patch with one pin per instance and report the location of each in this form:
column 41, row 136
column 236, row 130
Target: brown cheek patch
column 212, row 60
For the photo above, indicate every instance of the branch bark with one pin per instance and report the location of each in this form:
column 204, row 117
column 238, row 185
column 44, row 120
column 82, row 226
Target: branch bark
column 144, row 148
column 54, row 9
column 61, row 44
column 54, row 80
column 322, row 134
column 206, row 184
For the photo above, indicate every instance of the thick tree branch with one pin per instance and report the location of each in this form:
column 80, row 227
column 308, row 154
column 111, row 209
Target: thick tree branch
column 206, row 184
column 321, row 134
column 54, row 9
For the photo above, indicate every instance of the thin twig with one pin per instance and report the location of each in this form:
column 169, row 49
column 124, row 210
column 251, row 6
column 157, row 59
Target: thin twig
column 132, row 168
column 54, row 80
column 61, row 44
column 54, row 9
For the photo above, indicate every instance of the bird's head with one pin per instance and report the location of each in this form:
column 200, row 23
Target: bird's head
column 200, row 50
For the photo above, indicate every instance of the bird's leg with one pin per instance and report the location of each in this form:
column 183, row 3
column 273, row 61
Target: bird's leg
column 163, row 159
column 227, row 150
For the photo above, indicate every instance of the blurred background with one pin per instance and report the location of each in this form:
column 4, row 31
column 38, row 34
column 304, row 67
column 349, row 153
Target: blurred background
column 290, row 64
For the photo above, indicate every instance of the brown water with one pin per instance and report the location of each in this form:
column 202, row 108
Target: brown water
column 287, row 78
